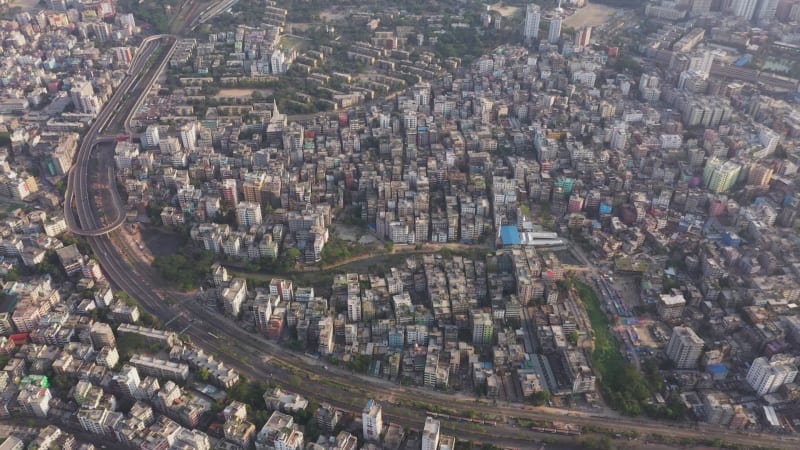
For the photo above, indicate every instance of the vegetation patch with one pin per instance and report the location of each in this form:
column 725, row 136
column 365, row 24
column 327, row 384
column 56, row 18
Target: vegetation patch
column 622, row 385
column 185, row 271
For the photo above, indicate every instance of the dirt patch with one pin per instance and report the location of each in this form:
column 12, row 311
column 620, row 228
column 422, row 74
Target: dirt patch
column 505, row 10
column 352, row 233
column 645, row 337
column 234, row 93
column 332, row 15
column 591, row 15
column 160, row 243
column 25, row 5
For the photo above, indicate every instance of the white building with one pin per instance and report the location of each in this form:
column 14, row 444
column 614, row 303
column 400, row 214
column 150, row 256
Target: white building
column 684, row 348
column 554, row 34
column 670, row 141
column 430, row 434
column 83, row 98
column 150, row 138
column 619, row 136
column 248, row 214
column 701, row 63
column 744, row 8
column 372, row 421
column 767, row 9
column 189, row 136
column 533, row 18
column 769, row 139
column 354, row 307
column 766, row 376
column 35, row 400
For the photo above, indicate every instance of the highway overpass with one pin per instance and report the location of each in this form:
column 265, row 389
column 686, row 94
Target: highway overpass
column 77, row 201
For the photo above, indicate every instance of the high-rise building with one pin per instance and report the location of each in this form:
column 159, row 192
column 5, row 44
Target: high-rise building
column 127, row 21
column 767, row 9
column 482, row 328
column 128, row 381
column 759, row 175
column 702, row 63
column 410, row 120
column 719, row 176
column 189, row 136
column 248, row 214
column 354, row 307
column 766, row 376
column 533, row 17
column 372, row 421
column 169, row 146
column 619, row 136
column 102, row 335
column 430, row 434
column 57, row 5
column 583, row 37
column 684, row 348
column 230, row 194
column 554, row 34
column 252, row 187
column 122, row 55
column 700, row 7
column 744, row 8
column 83, row 98
column 150, row 138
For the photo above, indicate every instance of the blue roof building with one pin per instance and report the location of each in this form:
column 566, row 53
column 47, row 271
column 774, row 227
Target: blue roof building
column 509, row 234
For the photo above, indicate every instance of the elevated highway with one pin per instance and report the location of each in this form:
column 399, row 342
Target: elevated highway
column 77, row 202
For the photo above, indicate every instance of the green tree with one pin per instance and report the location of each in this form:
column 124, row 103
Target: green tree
column 574, row 337
column 541, row 398
column 203, row 375
column 12, row 275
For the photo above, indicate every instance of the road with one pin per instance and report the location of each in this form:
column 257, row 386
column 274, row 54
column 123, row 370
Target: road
column 77, row 194
column 77, row 202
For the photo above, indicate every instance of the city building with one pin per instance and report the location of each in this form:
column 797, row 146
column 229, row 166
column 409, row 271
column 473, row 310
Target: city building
column 744, row 8
column 430, row 434
column 533, row 17
column 372, row 421
column 554, row 32
column 766, row 376
column 248, row 214
column 684, row 348
column 670, row 306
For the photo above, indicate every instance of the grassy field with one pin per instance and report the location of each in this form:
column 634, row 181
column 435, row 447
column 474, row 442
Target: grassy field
column 607, row 357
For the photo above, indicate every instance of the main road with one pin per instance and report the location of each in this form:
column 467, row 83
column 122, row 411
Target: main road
column 77, row 202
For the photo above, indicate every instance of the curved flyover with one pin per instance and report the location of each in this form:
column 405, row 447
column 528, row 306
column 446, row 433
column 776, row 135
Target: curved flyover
column 78, row 210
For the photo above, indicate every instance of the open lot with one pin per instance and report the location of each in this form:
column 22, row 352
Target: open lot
column 332, row 14
column 591, row 15
column 241, row 93
column 25, row 5
column 505, row 10
column 160, row 243
column 352, row 233
column 628, row 288
column 646, row 337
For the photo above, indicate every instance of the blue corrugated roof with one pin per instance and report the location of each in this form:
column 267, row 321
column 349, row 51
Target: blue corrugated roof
column 510, row 235
column 717, row 368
